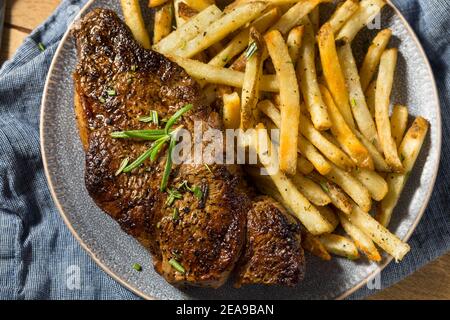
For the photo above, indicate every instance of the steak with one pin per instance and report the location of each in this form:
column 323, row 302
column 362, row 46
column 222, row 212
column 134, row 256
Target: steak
column 117, row 82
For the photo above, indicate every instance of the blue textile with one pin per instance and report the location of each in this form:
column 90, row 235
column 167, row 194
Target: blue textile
column 40, row 259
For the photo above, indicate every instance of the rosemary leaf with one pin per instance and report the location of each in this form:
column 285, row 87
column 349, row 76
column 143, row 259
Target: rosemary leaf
column 123, row 165
column 176, row 116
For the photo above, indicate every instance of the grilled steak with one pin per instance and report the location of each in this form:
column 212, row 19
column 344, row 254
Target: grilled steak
column 116, row 82
column 273, row 254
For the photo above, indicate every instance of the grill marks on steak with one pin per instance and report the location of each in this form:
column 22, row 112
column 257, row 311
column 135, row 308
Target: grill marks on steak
column 208, row 236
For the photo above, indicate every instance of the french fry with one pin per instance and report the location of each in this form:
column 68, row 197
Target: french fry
column 373, row 56
column 188, row 31
column 345, row 136
column 308, row 215
column 311, row 191
column 240, row 41
column 314, row 17
column 338, row 197
column 211, row 74
column 294, row 42
column 210, row 94
column 355, row 189
column 382, row 101
column 362, row 242
column 367, row 11
column 312, row 244
column 180, row 21
column 231, row 110
column 156, row 3
column 295, row 14
column 340, row 246
column 379, row 234
column 290, row 100
column 134, row 20
column 360, row 111
column 409, row 150
column 304, row 166
column 399, row 121
column 329, row 214
column 342, row 14
column 375, row 183
column 370, row 97
column 199, row 5
column 186, row 12
column 306, row 73
column 163, row 22
column 378, row 159
column 222, row 27
column 250, row 87
column 332, row 71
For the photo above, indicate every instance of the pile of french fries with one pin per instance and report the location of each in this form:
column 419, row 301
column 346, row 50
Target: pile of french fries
column 273, row 65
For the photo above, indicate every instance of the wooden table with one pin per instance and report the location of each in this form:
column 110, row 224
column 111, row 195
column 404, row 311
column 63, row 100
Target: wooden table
column 431, row 282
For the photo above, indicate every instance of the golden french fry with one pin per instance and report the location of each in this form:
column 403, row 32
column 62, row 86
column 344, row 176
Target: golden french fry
column 156, row 3
column 342, row 14
column 340, row 246
column 294, row 42
column 240, row 41
column 379, row 234
column 304, row 165
column 382, row 101
column 367, row 11
column 314, row 17
column 345, row 136
column 231, row 110
column 180, row 21
column 332, row 71
column 308, row 215
column 313, row 155
column 352, row 186
column 250, row 87
column 290, row 100
column 409, row 150
column 329, row 214
column 358, row 104
column 361, row 240
column 199, row 5
column 373, row 56
column 134, row 20
column 188, row 31
column 377, row 157
column 312, row 244
column 370, row 97
column 306, row 73
column 211, row 74
column 186, row 12
column 375, row 183
column 163, row 22
column 399, row 121
column 221, row 28
column 311, row 191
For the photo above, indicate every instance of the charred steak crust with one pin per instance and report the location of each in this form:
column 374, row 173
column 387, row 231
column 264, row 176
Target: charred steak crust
column 273, row 254
column 117, row 81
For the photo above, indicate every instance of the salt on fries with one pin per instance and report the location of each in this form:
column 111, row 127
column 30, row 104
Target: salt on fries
column 340, row 152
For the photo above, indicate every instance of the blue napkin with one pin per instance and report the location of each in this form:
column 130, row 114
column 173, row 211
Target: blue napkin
column 39, row 258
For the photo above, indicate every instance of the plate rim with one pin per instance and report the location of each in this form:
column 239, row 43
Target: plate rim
column 139, row 292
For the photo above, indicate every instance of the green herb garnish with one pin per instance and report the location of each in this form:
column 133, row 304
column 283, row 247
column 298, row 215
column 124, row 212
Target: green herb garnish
column 173, row 195
column 123, row 165
column 177, row 266
column 111, row 92
column 354, row 104
column 41, row 46
column 195, row 189
column 207, row 167
column 175, row 214
column 197, row 192
column 102, row 100
column 133, row 68
column 324, row 187
column 137, row 267
column 252, row 48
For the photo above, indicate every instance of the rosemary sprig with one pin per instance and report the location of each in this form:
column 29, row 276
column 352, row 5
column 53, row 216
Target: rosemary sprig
column 177, row 266
column 252, row 48
column 177, row 116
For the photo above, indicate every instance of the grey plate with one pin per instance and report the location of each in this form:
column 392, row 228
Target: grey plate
column 114, row 251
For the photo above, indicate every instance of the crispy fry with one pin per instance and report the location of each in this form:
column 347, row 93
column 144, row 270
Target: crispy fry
column 409, row 151
column 156, row 3
column 362, row 242
column 342, row 14
column 332, row 71
column 375, row 183
column 302, row 208
column 311, row 191
column 340, row 246
column 186, row 12
column 312, row 244
column 382, row 102
column 370, row 97
column 360, row 111
column 346, row 138
column 314, row 17
column 379, row 234
column 304, row 166
column 306, row 73
column 399, row 121
column 211, row 74
column 199, row 5
column 378, row 159
column 290, row 100
column 367, row 11
column 329, row 214
column 294, row 42
column 133, row 18
column 188, row 31
column 222, row 27
column 231, row 110
column 180, row 21
column 373, row 56
column 355, row 189
column 163, row 22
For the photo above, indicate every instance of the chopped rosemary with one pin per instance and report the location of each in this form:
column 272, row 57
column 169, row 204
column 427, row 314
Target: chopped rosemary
column 102, row 100
column 137, row 267
column 252, row 48
column 195, row 189
column 168, row 167
column 111, row 92
column 177, row 116
column 177, row 266
column 324, row 187
column 133, row 68
column 207, row 167
column 173, row 195
column 123, row 165
column 197, row 192
column 354, row 104
column 41, row 46
column 153, row 117
column 175, row 215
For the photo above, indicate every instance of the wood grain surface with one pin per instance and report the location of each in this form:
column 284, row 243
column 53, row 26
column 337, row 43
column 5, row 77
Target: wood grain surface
column 430, row 282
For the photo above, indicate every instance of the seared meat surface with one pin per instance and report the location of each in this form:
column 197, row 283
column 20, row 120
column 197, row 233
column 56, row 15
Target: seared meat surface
column 273, row 254
column 116, row 82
